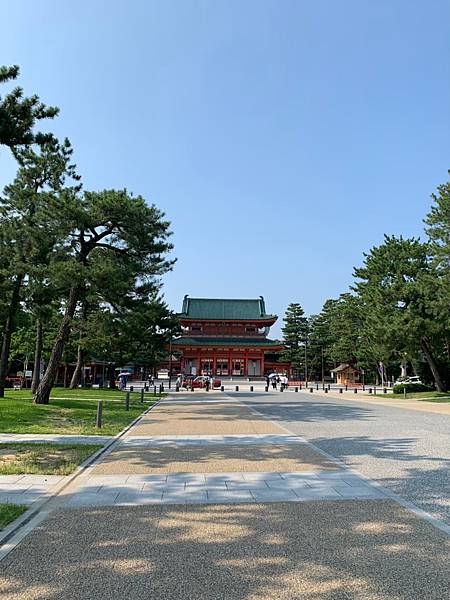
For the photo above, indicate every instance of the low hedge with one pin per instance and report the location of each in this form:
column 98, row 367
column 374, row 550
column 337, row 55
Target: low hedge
column 411, row 387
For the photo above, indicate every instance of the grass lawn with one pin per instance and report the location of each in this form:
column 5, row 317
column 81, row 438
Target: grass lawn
column 69, row 412
column 9, row 512
column 43, row 459
column 425, row 396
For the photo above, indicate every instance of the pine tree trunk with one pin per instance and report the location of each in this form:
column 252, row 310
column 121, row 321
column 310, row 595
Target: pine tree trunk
column 76, row 377
column 42, row 394
column 8, row 331
column 37, row 356
column 112, row 377
column 426, row 349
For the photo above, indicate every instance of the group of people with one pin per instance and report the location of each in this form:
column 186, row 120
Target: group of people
column 274, row 379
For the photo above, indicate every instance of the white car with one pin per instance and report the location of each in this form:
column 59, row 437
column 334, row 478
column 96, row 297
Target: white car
column 406, row 380
column 163, row 374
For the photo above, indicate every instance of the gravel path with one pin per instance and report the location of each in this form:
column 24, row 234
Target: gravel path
column 407, row 451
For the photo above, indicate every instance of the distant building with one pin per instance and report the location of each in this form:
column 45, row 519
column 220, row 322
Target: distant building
column 226, row 338
column 346, row 374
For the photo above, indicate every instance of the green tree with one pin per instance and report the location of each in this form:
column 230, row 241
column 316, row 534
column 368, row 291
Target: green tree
column 395, row 288
column 295, row 333
column 18, row 114
column 110, row 229
column 32, row 226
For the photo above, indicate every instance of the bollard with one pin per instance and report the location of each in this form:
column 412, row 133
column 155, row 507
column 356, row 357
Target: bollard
column 146, row 388
column 355, row 391
column 131, row 388
column 384, row 391
column 192, row 388
column 340, row 390
column 346, row 387
column 237, row 388
column 266, row 389
column 300, row 386
column 363, row 388
column 251, row 388
column 98, row 422
column 404, row 392
column 142, row 394
column 162, row 388
column 317, row 387
column 154, row 391
column 329, row 387
column 311, row 390
column 370, row 390
column 222, row 388
column 296, row 389
column 177, row 388
column 326, row 390
column 127, row 401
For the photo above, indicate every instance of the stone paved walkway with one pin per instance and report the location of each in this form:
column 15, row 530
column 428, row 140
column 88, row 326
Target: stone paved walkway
column 261, row 463
column 26, row 489
column 51, row 438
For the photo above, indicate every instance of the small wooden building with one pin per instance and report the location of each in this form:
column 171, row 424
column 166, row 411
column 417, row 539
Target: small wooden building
column 346, row 374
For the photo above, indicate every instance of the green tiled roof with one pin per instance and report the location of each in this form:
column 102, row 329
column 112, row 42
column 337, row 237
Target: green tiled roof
column 225, row 309
column 217, row 341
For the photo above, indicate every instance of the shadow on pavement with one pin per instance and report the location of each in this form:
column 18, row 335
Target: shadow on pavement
column 309, row 551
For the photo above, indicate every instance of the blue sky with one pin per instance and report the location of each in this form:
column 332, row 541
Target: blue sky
column 282, row 139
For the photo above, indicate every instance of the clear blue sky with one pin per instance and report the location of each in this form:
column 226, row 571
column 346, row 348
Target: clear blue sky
column 282, row 139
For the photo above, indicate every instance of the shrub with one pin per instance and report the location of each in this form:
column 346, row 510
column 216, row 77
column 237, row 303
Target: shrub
column 411, row 387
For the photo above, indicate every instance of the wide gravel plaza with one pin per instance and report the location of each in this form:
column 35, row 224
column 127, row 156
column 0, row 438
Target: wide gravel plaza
column 251, row 495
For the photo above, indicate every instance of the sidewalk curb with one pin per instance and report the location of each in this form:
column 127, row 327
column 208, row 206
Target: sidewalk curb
column 419, row 512
column 24, row 524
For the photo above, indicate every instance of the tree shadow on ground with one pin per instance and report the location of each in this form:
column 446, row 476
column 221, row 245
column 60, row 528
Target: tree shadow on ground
column 396, row 464
column 214, row 458
column 310, row 551
column 312, row 410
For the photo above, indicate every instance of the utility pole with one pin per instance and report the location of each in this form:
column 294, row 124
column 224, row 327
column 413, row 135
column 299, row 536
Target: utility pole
column 170, row 363
column 306, row 360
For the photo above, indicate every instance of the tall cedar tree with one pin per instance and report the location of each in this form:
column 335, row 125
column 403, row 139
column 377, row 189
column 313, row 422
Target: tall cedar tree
column 31, row 225
column 109, row 227
column 295, row 332
column 18, row 114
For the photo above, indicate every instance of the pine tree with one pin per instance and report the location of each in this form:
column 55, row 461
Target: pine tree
column 18, row 114
column 32, row 226
column 114, row 236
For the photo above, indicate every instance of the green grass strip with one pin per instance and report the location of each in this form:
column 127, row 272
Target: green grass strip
column 9, row 512
column 43, row 459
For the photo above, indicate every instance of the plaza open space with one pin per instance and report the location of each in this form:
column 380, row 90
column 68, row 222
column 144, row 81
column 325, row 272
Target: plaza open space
column 184, row 506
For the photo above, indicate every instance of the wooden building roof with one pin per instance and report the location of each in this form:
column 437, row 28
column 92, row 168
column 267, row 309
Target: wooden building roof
column 225, row 309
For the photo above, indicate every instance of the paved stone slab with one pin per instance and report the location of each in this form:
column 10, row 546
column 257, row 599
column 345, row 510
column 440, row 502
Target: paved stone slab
column 26, row 489
column 209, row 440
column 276, row 551
column 198, row 488
column 214, row 459
column 51, row 438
